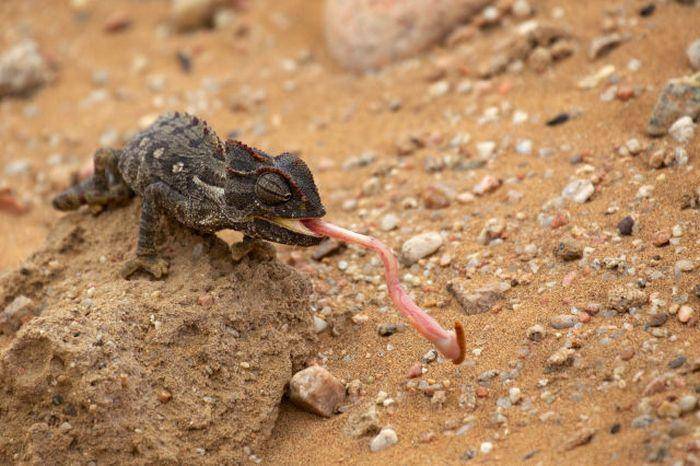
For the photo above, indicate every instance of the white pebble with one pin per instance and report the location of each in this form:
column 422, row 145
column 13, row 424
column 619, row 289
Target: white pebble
column 578, row 191
column 384, row 439
column 420, row 246
column 682, row 130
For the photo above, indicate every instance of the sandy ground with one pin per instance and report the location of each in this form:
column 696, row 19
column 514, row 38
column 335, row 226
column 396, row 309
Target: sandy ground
column 268, row 79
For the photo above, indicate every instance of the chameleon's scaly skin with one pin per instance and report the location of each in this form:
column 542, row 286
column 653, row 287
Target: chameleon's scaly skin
column 180, row 168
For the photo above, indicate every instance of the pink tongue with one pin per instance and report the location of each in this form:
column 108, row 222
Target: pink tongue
column 451, row 344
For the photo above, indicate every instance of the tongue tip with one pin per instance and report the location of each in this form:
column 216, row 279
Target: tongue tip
column 461, row 343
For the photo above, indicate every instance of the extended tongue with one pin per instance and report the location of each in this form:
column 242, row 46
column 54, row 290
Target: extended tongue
column 451, row 344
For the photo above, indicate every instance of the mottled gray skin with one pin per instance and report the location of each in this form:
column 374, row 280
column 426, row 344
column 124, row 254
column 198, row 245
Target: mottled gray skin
column 180, row 168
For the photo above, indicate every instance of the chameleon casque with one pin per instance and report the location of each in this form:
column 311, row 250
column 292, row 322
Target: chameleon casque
column 181, row 169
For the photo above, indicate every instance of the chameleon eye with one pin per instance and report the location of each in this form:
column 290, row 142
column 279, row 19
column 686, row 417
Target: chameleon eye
column 272, row 189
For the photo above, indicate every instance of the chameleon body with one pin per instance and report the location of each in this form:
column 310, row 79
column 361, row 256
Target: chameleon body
column 180, row 168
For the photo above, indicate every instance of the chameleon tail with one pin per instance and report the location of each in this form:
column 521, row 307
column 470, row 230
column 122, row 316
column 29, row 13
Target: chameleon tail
column 73, row 197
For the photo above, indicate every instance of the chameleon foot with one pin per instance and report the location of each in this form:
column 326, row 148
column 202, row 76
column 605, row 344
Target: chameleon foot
column 154, row 265
column 254, row 248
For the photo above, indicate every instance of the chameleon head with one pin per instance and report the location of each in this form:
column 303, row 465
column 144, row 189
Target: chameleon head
column 275, row 192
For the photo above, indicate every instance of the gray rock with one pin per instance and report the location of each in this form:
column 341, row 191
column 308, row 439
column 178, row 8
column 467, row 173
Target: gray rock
column 578, row 191
column 362, row 422
column 23, row 69
column 481, row 300
column 680, row 97
column 384, row 439
column 693, row 53
column 563, row 321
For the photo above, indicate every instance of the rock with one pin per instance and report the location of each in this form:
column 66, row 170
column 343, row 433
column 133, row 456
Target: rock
column 680, row 97
column 486, row 185
column 581, row 437
column 657, row 319
column 536, row 333
column 188, row 15
column 15, row 314
column 561, row 358
column 656, row 385
column 540, row 59
column 642, row 421
column 367, row 34
column 563, row 321
column 625, row 226
column 677, row 362
column 623, row 298
column 682, row 130
column 579, row 191
column 420, row 246
column 661, row 238
column 683, row 265
column 23, row 69
column 485, row 149
column 481, row 300
column 387, row 329
column 104, row 364
column 117, row 22
column 569, row 249
column 604, row 44
column 688, row 403
column 678, row 428
column 362, row 422
column 668, row 409
column 384, row 439
column 494, row 228
column 389, row 222
column 328, row 247
column 320, row 325
column 316, row 390
column 685, row 313
column 437, row 197
column 693, row 53
column 634, row 146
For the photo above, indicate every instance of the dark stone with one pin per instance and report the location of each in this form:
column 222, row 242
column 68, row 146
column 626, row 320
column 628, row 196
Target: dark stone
column 559, row 119
column 625, row 226
column 677, row 362
column 615, row 428
column 647, row 10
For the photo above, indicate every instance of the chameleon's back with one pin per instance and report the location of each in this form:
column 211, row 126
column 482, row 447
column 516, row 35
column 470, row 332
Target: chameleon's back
column 170, row 150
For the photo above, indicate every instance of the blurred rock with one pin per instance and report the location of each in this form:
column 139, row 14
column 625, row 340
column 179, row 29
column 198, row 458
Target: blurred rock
column 680, row 97
column 188, row 15
column 23, row 69
column 367, row 34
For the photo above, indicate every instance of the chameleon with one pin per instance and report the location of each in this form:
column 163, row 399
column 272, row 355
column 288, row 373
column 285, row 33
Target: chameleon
column 180, row 168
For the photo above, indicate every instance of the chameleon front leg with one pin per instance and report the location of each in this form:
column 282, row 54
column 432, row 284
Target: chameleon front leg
column 252, row 246
column 157, row 198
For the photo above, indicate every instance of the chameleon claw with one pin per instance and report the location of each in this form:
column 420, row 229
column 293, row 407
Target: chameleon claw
column 154, row 265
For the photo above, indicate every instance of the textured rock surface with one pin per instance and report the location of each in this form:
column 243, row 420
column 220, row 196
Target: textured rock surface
column 680, row 97
column 23, row 69
column 316, row 390
column 140, row 371
column 366, row 34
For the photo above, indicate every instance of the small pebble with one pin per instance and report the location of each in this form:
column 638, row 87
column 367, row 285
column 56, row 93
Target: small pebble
column 384, row 439
column 625, row 226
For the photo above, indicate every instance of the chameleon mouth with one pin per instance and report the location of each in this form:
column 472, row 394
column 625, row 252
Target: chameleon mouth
column 295, row 225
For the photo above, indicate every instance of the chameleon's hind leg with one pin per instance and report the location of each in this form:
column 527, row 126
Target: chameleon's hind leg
column 108, row 186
